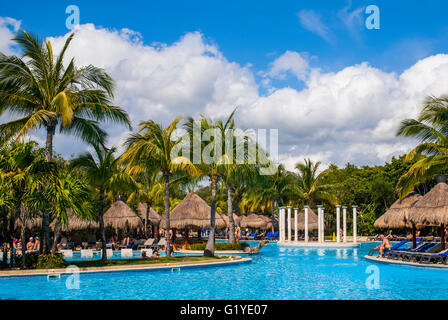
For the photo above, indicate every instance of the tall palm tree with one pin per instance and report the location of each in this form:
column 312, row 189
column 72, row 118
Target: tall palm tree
column 431, row 155
column 149, row 189
column 105, row 174
column 154, row 147
column 45, row 94
column 311, row 184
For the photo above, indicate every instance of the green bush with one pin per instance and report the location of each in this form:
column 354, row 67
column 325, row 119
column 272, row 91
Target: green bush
column 51, row 261
column 220, row 246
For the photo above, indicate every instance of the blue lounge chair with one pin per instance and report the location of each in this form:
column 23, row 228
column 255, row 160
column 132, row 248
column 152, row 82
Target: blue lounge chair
column 268, row 235
column 275, row 235
column 402, row 254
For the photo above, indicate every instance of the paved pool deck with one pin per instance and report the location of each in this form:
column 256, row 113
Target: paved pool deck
column 399, row 262
column 327, row 244
column 156, row 266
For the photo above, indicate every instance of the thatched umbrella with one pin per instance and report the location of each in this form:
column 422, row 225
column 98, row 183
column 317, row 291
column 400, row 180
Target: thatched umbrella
column 76, row 223
column 153, row 217
column 255, row 221
column 432, row 209
column 120, row 215
column 31, row 224
column 192, row 213
column 396, row 216
column 312, row 220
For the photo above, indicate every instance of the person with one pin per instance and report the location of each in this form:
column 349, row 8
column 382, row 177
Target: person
column 36, row 244
column 63, row 242
column 446, row 233
column 126, row 241
column 385, row 245
column 143, row 256
column 113, row 243
column 155, row 254
column 30, row 244
column 341, row 234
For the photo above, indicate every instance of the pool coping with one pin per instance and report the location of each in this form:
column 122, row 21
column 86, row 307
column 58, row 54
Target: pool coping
column 156, row 266
column 405, row 263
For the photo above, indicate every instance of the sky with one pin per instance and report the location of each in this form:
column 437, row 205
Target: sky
column 335, row 90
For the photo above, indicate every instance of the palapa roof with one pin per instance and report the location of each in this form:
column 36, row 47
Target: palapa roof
column 120, row 215
column 192, row 213
column 75, row 223
column 31, row 224
column 236, row 219
column 432, row 208
column 396, row 216
column 153, row 217
column 255, row 221
column 312, row 220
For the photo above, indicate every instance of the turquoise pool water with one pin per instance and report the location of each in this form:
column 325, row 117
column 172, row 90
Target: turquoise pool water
column 276, row 273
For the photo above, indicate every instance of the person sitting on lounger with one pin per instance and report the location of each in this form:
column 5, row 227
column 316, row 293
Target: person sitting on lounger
column 36, row 244
column 63, row 242
column 30, row 245
column 155, row 254
column 385, row 245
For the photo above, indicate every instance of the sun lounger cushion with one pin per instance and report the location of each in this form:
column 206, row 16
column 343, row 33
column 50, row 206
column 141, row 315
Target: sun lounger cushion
column 67, row 253
column 126, row 253
column 86, row 253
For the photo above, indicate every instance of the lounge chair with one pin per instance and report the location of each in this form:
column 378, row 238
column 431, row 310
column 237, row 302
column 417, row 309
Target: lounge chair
column 147, row 244
column 67, row 253
column 87, row 253
column 275, row 235
column 400, row 254
column 430, row 257
column 127, row 253
column 268, row 235
column 160, row 245
column 411, row 254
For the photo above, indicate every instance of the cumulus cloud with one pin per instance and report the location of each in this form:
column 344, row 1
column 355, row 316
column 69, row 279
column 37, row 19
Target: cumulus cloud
column 289, row 62
column 8, row 27
column 346, row 116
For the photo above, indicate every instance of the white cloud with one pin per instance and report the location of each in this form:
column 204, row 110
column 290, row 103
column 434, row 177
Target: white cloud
column 290, row 61
column 311, row 21
column 8, row 27
column 345, row 116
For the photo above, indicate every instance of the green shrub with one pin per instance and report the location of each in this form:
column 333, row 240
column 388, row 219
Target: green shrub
column 51, row 261
column 220, row 246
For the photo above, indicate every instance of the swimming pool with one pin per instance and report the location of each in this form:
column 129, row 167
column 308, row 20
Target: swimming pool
column 276, row 273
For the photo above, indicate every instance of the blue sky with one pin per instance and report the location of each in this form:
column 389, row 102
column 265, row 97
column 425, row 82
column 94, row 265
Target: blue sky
column 253, row 31
column 335, row 90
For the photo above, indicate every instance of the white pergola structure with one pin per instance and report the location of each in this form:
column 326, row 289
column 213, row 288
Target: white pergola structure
column 285, row 224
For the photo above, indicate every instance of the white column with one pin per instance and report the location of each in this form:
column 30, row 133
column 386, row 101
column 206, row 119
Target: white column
column 319, row 223
column 338, row 223
column 354, row 223
column 344, row 224
column 306, row 224
column 296, row 232
column 280, row 224
column 289, row 224
column 282, row 210
column 323, row 224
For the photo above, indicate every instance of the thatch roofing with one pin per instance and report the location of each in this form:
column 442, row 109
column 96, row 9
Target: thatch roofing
column 120, row 215
column 312, row 220
column 75, row 223
column 236, row 219
column 31, row 224
column 153, row 217
column 192, row 213
column 431, row 209
column 255, row 221
column 396, row 216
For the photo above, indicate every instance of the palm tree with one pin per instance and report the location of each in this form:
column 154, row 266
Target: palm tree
column 272, row 190
column 46, row 94
column 311, row 184
column 149, row 189
column 104, row 172
column 154, row 148
column 431, row 155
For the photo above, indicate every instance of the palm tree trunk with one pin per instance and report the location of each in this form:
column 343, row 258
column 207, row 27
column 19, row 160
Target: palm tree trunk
column 23, row 236
column 146, row 219
column 232, row 238
column 46, row 214
column 101, row 222
column 273, row 217
column 57, row 234
column 442, row 236
column 210, row 247
column 414, row 238
column 167, row 214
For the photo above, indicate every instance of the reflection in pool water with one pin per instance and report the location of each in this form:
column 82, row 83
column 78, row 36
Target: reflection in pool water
column 276, row 273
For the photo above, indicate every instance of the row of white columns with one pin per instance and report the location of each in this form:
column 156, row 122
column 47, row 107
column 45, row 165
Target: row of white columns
column 285, row 227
